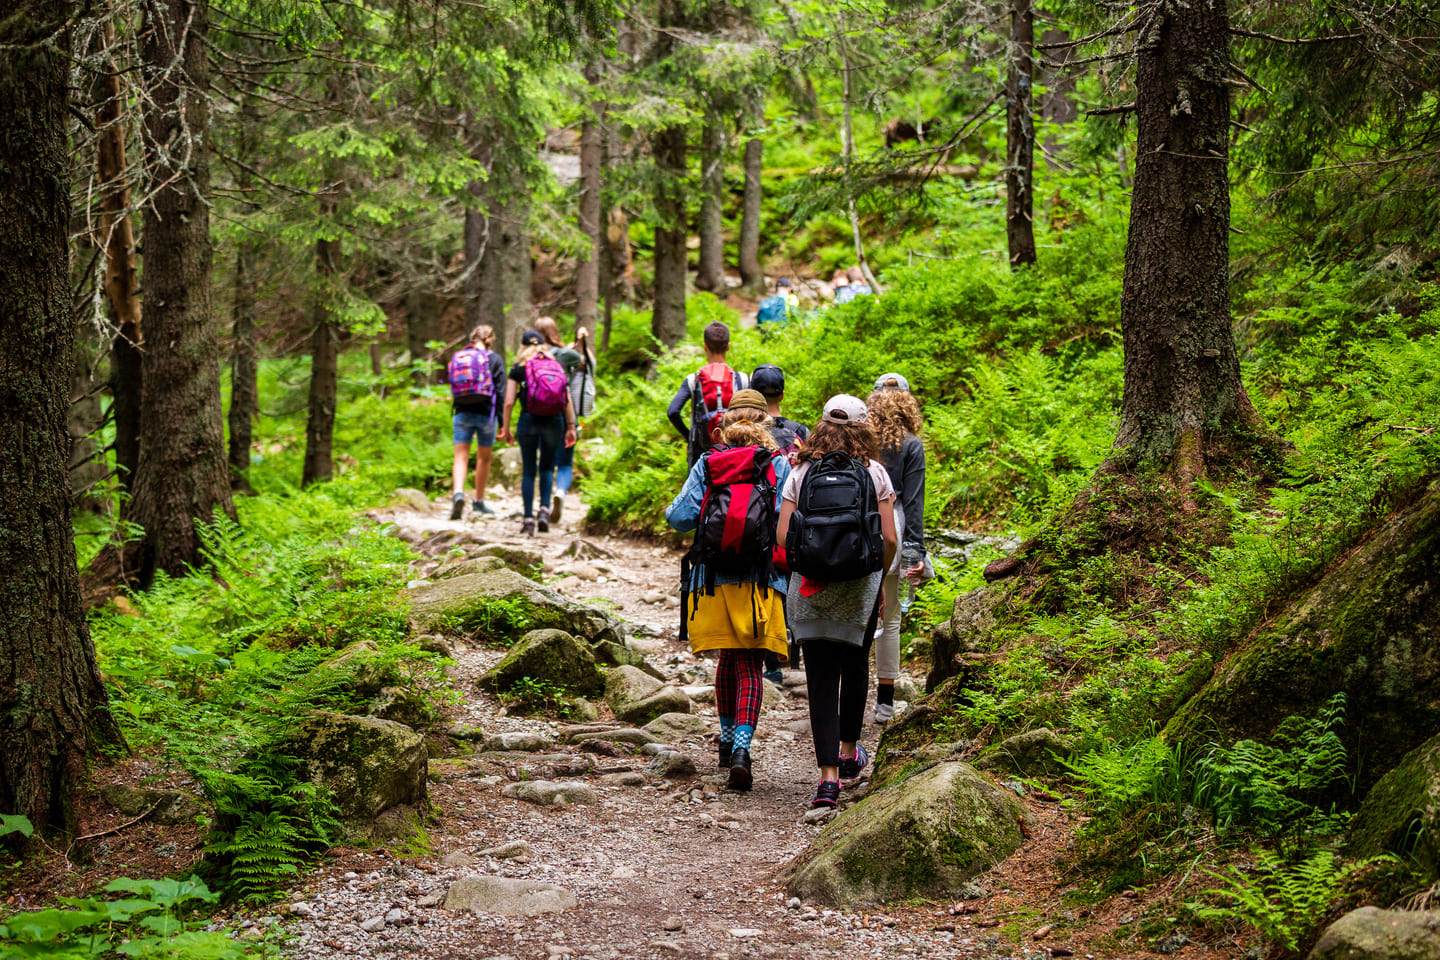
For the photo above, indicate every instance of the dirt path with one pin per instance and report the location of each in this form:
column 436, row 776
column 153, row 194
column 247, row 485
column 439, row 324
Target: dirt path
column 659, row 868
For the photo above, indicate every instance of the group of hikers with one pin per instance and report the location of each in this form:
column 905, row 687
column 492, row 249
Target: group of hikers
column 802, row 537
column 783, row 304
column 554, row 385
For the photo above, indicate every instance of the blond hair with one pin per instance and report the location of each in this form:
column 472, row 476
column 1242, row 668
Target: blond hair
column 894, row 414
column 527, row 352
column 747, row 427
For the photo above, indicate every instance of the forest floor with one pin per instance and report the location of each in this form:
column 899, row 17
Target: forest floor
column 658, row 868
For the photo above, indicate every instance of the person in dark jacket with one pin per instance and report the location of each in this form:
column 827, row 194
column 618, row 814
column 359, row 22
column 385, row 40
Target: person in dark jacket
column 680, row 411
column 895, row 417
column 789, row 434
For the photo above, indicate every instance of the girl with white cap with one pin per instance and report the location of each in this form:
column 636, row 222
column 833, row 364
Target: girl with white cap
column 835, row 620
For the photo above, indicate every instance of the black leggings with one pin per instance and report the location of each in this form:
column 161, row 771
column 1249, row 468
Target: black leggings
column 838, row 677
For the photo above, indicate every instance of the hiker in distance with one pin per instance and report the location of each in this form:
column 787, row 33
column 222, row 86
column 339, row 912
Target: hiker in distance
column 475, row 373
column 733, row 598
column 837, row 523
column 895, row 417
column 707, row 392
column 777, row 308
column 574, row 361
column 547, row 420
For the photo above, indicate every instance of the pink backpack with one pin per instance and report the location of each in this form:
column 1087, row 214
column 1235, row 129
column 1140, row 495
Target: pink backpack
column 546, row 387
column 469, row 373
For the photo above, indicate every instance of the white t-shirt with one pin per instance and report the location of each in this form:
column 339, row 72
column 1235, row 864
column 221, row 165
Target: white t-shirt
column 884, row 489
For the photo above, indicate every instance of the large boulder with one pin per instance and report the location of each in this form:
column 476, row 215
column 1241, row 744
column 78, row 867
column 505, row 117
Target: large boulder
column 553, row 656
column 1374, row 934
column 970, row 621
column 1370, row 628
column 499, row 605
column 368, row 764
column 636, row 697
column 670, row 727
column 1401, row 813
column 403, row 705
column 920, row 838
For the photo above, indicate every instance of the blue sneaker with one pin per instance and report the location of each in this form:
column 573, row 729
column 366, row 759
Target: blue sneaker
column 774, row 676
column 850, row 768
column 480, row 508
column 826, row 795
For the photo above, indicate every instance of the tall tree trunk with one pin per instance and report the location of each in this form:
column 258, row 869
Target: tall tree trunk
column 668, row 320
column 55, row 707
column 1182, row 375
column 477, row 230
column 847, row 151
column 244, row 368
column 117, row 238
column 1020, row 136
column 324, row 358
column 752, row 278
column 587, row 276
column 710, row 274
column 515, row 267
column 244, row 349
column 181, row 476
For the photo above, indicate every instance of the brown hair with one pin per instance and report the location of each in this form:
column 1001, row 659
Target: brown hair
column 856, row 439
column 894, row 413
column 483, row 335
column 747, row 428
column 548, row 329
column 717, row 337
column 856, row 275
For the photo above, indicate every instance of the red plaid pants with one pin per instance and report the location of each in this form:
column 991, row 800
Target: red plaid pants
column 738, row 690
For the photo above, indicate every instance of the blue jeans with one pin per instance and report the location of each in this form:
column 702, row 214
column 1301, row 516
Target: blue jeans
column 540, row 438
column 564, row 467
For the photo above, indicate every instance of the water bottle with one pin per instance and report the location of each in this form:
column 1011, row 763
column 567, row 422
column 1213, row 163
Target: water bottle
column 911, row 553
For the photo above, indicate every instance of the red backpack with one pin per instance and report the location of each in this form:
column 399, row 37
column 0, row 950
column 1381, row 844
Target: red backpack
column 546, row 387
column 709, row 398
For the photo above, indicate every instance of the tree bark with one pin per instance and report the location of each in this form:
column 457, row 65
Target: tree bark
column 587, row 276
column 181, row 476
column 1182, row 374
column 668, row 320
column 752, row 278
column 324, row 359
column 117, row 238
column 56, row 711
column 1020, row 136
column 710, row 274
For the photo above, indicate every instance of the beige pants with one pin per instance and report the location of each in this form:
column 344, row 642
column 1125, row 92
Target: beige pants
column 887, row 632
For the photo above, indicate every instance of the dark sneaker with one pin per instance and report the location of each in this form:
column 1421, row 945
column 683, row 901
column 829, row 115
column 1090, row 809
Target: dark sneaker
column 457, row 505
column 542, row 520
column 740, row 778
column 826, row 795
column 527, row 527
column 850, row 769
column 557, row 506
column 775, row 677
column 724, row 752
column 480, row 508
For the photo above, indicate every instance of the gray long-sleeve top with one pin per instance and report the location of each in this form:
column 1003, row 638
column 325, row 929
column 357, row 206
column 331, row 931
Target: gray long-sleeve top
column 906, row 466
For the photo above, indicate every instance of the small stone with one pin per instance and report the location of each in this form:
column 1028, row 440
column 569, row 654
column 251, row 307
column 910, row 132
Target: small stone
column 652, row 596
column 513, row 850
column 302, row 909
column 673, row 923
column 743, row 932
column 429, row 900
column 396, row 916
column 623, row 873
column 674, row 766
column 818, row 815
column 793, row 903
column 373, row 924
column 1015, row 787
column 457, row 859
column 630, row 778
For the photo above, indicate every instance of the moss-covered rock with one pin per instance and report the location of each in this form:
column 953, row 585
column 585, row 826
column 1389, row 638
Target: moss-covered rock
column 1370, row 627
column 626, row 684
column 368, row 764
column 403, row 705
column 369, row 671
column 463, row 568
column 619, row 655
column 670, row 727
column 523, row 560
column 970, row 619
column 921, row 838
column 1034, row 753
column 1401, row 813
column 663, row 701
column 1374, row 934
column 166, row 806
column 499, row 605
column 552, row 656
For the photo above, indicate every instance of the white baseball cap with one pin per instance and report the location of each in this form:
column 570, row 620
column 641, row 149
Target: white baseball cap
column 843, row 408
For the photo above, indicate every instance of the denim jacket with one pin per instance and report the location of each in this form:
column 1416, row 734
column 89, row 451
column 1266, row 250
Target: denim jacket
column 684, row 514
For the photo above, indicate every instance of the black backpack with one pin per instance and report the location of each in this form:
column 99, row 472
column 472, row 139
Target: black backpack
column 835, row 528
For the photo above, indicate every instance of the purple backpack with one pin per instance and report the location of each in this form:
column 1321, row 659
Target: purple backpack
column 546, row 387
column 469, row 373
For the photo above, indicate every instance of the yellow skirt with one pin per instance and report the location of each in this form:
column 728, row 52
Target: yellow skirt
column 739, row 616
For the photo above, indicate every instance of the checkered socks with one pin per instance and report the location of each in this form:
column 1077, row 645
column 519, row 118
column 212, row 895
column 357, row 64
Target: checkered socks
column 743, row 733
column 727, row 731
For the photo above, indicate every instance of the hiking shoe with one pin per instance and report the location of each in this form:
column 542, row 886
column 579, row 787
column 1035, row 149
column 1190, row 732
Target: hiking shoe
column 850, row 768
column 457, row 505
column 724, row 752
column 557, row 506
column 480, row 508
column 775, row 677
column 826, row 795
column 542, row 520
column 527, row 527
column 884, row 712
column 740, row 778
